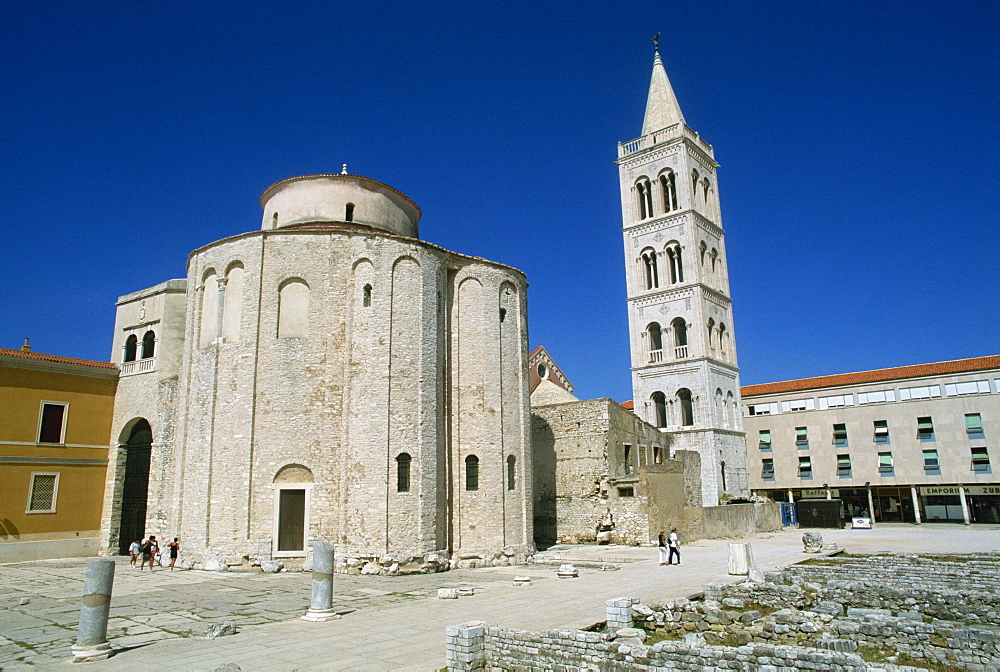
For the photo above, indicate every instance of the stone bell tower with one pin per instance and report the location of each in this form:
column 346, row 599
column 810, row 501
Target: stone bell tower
column 685, row 377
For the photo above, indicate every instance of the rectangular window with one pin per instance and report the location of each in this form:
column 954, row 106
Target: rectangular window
column 840, row 434
column 657, row 455
column 798, row 405
column 765, row 439
column 843, row 465
column 762, row 409
column 885, row 463
column 980, row 459
column 925, row 429
column 805, row 467
column 42, row 497
column 973, row 423
column 767, row 470
column 924, row 392
column 801, row 436
column 52, row 422
column 881, row 431
column 931, row 460
column 971, row 387
column 628, row 458
column 836, row 401
column 626, row 492
column 877, row 397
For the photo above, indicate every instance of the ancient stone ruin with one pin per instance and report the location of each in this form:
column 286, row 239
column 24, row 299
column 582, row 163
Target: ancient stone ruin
column 836, row 613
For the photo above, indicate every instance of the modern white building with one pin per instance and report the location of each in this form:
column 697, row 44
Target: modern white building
column 910, row 443
column 685, row 378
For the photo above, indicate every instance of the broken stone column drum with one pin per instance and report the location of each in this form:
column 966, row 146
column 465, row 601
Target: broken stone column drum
column 321, row 604
column 740, row 559
column 92, row 632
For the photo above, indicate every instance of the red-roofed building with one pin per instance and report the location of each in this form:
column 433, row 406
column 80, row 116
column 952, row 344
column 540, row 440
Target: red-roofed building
column 909, row 443
column 55, row 431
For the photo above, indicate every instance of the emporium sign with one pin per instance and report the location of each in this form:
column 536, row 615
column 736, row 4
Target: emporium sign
column 953, row 490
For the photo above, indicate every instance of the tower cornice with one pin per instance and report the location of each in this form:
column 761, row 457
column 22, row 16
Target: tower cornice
column 671, row 219
column 653, row 297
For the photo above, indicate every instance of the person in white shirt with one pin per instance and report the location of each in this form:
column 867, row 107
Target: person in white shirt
column 134, row 551
column 675, row 547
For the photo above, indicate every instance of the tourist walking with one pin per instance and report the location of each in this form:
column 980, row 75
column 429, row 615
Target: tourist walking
column 150, row 549
column 675, row 547
column 662, row 548
column 134, row 550
column 175, row 548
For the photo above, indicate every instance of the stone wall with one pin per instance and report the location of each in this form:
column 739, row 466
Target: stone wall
column 481, row 646
column 740, row 520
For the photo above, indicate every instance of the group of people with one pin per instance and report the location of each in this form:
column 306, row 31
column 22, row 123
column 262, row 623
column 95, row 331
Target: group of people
column 149, row 550
column 670, row 546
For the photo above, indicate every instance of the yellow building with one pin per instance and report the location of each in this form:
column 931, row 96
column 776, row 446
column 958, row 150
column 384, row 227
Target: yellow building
column 55, row 429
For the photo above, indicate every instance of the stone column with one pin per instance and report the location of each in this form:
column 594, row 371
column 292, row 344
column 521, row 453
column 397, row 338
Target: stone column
column 619, row 612
column 464, row 648
column 871, row 507
column 740, row 559
column 965, row 504
column 791, row 499
column 916, row 503
column 92, row 632
column 321, row 604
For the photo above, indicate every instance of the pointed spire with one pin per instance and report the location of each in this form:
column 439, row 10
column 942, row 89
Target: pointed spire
column 662, row 109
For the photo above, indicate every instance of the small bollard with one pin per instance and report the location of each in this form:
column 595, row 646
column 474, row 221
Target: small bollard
column 321, row 604
column 92, row 633
column 740, row 559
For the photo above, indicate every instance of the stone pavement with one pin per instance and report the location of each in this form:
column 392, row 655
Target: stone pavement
column 387, row 622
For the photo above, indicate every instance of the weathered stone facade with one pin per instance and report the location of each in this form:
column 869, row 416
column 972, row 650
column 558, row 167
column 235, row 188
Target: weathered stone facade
column 602, row 474
column 339, row 379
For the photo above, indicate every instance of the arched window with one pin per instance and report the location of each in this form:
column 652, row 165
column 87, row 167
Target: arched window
column 722, row 467
column 232, row 308
column 511, row 472
column 659, row 409
column 720, row 408
column 293, row 309
column 655, row 336
column 722, row 340
column 366, row 299
column 644, row 192
column 705, row 186
column 668, row 185
column 711, row 328
column 702, row 249
column 472, row 473
column 274, row 221
column 131, row 344
column 148, row 344
column 403, row 472
column 679, row 327
column 209, row 309
column 730, row 411
column 676, row 265
column 650, row 271
column 686, row 407
column 694, row 187
column 714, row 256
column 349, row 214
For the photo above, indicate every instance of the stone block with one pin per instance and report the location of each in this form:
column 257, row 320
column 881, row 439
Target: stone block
column 447, row 594
column 220, row 630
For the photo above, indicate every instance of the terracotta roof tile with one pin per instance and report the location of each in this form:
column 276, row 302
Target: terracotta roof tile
column 628, row 405
column 862, row 377
column 56, row 358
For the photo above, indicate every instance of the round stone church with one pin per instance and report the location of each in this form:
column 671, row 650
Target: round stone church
column 330, row 376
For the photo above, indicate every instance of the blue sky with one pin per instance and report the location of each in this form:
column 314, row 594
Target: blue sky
column 858, row 145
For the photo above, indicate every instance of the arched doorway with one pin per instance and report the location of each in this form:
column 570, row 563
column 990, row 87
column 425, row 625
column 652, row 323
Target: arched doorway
column 136, row 486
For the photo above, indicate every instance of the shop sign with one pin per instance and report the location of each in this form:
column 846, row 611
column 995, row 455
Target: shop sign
column 814, row 493
column 953, row 490
column 939, row 490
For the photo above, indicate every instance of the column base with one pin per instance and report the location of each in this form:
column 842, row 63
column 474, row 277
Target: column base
column 320, row 615
column 83, row 654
